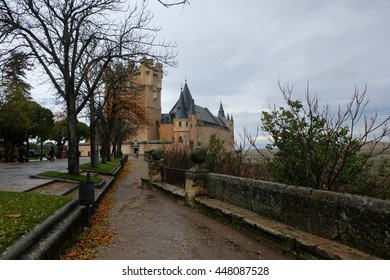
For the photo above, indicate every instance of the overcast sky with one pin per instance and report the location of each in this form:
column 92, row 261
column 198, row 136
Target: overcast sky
column 236, row 51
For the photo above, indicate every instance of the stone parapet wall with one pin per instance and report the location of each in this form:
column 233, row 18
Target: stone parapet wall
column 360, row 222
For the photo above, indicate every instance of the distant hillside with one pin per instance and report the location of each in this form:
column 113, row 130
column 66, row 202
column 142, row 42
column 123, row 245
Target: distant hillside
column 253, row 154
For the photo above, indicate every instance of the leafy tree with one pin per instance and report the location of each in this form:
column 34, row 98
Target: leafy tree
column 14, row 122
column 74, row 41
column 14, row 83
column 42, row 125
column 215, row 151
column 42, row 122
column 312, row 148
column 59, row 135
column 15, row 103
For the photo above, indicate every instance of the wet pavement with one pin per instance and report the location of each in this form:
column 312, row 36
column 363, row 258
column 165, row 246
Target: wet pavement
column 15, row 176
column 148, row 225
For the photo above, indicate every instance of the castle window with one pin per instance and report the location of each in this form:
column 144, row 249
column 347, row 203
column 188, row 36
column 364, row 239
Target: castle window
column 180, row 139
column 179, row 124
column 186, row 124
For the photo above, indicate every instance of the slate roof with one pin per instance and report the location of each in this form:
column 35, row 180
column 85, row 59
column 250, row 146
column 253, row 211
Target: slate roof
column 182, row 108
column 186, row 101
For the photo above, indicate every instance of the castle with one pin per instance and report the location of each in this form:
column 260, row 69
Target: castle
column 185, row 124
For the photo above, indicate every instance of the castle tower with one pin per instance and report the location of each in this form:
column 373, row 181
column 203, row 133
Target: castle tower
column 150, row 76
column 181, row 129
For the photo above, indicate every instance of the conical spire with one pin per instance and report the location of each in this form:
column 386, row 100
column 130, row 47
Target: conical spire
column 187, row 95
column 192, row 108
column 181, row 109
column 221, row 112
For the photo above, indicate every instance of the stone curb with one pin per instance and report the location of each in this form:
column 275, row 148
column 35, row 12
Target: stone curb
column 49, row 248
column 29, row 239
column 301, row 244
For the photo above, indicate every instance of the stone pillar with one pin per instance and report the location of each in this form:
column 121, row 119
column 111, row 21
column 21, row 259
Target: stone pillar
column 155, row 164
column 195, row 178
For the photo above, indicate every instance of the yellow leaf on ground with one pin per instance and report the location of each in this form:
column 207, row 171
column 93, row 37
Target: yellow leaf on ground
column 12, row 215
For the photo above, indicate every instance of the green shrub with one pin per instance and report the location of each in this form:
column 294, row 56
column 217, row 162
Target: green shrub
column 314, row 149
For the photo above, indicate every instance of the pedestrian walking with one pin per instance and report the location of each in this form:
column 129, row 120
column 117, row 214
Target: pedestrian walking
column 51, row 154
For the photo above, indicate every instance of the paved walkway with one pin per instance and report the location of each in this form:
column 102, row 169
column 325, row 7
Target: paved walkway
column 15, row 176
column 149, row 225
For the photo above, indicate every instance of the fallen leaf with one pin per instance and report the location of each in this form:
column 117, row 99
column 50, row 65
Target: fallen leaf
column 12, row 215
column 98, row 234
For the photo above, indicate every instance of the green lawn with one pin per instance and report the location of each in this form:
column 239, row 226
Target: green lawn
column 21, row 212
column 106, row 167
column 67, row 176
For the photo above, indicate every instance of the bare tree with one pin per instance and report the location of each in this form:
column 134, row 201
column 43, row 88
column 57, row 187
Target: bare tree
column 174, row 3
column 69, row 38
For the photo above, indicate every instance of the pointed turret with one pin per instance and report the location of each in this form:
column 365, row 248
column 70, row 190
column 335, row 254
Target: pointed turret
column 221, row 113
column 192, row 108
column 181, row 122
column 181, row 111
column 187, row 100
column 187, row 95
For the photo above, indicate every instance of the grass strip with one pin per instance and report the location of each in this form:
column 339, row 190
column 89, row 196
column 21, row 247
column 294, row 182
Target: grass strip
column 67, row 176
column 103, row 167
column 21, row 212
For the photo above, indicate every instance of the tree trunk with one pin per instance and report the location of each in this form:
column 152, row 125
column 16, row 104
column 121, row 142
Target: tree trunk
column 108, row 151
column 108, row 142
column 104, row 154
column 9, row 151
column 93, row 138
column 92, row 144
column 119, row 148
column 27, row 150
column 114, row 150
column 73, row 140
column 103, row 141
column 41, row 156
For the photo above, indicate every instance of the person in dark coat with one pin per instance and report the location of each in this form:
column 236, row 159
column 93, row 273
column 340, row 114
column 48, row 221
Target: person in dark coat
column 22, row 154
column 51, row 154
